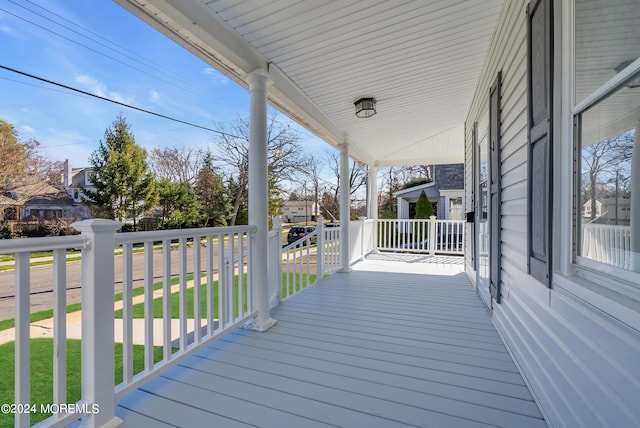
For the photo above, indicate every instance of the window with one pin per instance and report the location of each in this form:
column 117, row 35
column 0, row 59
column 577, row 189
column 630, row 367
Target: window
column 606, row 134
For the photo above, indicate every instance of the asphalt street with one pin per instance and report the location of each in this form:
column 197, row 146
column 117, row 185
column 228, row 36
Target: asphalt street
column 42, row 280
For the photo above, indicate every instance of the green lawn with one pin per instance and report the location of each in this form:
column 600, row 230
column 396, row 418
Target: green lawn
column 42, row 373
column 42, row 315
column 138, row 309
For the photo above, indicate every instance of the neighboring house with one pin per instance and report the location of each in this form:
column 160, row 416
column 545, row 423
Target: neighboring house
column 606, row 210
column 446, row 192
column 39, row 202
column 298, row 211
column 74, row 179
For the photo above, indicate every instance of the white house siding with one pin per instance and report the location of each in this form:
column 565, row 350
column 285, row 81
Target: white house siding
column 581, row 362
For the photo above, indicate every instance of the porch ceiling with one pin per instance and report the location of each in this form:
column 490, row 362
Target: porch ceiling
column 420, row 60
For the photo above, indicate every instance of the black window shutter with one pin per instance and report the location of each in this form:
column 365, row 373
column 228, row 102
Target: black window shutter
column 474, row 193
column 495, row 187
column 540, row 145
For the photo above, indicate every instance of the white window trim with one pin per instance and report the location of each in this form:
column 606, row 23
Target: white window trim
column 601, row 280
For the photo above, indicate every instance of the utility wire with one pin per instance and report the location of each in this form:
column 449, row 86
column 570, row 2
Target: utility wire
column 42, row 79
column 132, row 55
column 94, row 50
column 121, row 50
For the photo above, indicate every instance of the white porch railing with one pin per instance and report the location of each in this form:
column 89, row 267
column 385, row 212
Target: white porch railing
column 22, row 250
column 608, row 244
column 220, row 300
column 298, row 265
column 422, row 236
column 210, row 285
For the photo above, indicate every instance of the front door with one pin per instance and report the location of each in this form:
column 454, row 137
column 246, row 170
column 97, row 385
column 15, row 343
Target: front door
column 482, row 211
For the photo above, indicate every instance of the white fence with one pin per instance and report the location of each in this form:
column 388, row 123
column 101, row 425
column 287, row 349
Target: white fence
column 432, row 236
column 211, row 285
column 607, row 244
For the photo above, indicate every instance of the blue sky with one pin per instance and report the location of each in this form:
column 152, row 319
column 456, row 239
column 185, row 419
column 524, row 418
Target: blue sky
column 106, row 51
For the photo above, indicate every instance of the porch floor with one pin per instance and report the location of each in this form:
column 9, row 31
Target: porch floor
column 376, row 347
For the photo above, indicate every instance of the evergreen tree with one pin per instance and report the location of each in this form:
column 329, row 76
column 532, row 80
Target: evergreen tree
column 424, row 208
column 124, row 187
column 177, row 201
column 211, row 194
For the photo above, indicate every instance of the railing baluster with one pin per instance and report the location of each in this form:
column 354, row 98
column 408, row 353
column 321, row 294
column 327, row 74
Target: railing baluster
column 127, row 312
column 222, row 289
column 241, row 278
column 197, row 315
column 233, row 293
column 182, row 297
column 148, row 306
column 210, row 295
column 60, row 326
column 249, row 275
column 22, row 344
column 166, row 298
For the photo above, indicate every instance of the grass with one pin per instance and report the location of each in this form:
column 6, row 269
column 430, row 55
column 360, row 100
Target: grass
column 42, row 373
column 138, row 309
column 43, row 315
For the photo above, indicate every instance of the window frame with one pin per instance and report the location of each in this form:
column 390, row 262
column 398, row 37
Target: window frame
column 613, row 278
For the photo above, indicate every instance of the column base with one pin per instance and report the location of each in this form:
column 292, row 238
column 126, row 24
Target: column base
column 259, row 326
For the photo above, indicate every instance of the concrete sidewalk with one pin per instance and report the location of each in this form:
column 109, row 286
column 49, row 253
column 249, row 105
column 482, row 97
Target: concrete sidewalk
column 44, row 328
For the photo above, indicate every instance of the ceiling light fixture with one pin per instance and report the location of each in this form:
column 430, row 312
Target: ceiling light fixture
column 365, row 107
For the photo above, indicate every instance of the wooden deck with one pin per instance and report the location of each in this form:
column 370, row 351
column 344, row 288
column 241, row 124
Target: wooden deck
column 363, row 349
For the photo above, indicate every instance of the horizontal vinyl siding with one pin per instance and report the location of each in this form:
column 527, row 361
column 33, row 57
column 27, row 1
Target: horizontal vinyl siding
column 583, row 365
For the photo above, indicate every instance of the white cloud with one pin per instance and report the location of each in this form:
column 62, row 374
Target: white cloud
column 215, row 76
column 154, row 96
column 98, row 88
column 26, row 129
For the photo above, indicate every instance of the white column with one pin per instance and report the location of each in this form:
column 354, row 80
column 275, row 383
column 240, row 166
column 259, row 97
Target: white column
column 258, row 197
column 635, row 203
column 98, row 358
column 345, row 208
column 372, row 203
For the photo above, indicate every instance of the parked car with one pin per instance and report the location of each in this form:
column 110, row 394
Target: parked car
column 299, row 232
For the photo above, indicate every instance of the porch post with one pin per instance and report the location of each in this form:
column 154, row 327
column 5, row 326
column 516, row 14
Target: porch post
column 635, row 202
column 258, row 197
column 98, row 358
column 345, row 208
column 372, row 203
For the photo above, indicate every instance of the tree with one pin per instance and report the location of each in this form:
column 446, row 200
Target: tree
column 357, row 176
column 176, row 163
column 21, row 166
column 125, row 189
column 285, row 161
column 607, row 159
column 177, row 201
column 211, row 194
column 424, row 208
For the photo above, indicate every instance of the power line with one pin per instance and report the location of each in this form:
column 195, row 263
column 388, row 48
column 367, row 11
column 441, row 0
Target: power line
column 120, row 49
column 132, row 55
column 95, row 50
column 42, row 79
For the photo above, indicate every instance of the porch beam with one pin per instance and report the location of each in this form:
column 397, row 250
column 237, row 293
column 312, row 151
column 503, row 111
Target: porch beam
column 345, row 208
column 259, row 81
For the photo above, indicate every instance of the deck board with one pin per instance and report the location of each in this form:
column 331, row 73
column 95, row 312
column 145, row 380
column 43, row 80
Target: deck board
column 375, row 349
